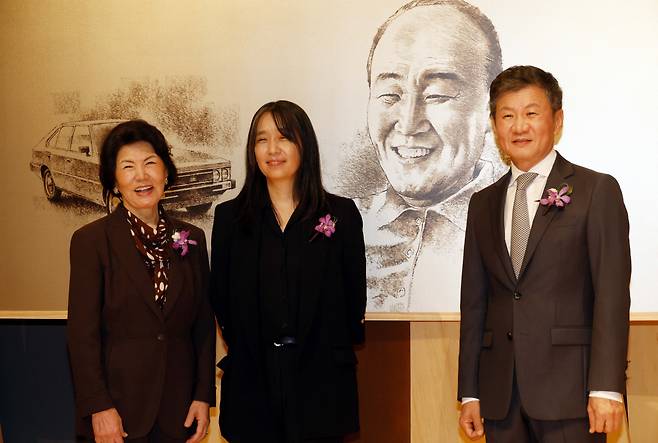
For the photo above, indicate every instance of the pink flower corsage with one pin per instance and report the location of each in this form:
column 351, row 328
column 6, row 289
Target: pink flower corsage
column 182, row 242
column 557, row 198
column 327, row 226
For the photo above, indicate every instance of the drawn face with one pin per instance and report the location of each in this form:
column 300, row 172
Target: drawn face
column 427, row 111
column 526, row 127
column 277, row 157
column 140, row 177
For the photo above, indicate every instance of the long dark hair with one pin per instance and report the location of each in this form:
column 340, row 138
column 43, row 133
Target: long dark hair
column 293, row 123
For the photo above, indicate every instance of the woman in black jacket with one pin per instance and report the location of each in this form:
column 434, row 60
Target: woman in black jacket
column 288, row 287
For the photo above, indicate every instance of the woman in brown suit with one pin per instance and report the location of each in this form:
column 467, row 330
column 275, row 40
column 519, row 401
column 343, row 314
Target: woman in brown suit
column 141, row 334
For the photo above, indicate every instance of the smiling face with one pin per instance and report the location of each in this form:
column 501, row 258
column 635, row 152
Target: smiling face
column 140, row 178
column 427, row 111
column 525, row 125
column 277, row 157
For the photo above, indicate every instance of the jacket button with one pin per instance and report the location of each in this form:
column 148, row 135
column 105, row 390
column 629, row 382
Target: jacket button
column 161, row 337
column 509, row 335
column 517, row 296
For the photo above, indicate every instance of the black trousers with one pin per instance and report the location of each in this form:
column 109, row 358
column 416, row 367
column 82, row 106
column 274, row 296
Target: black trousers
column 280, row 368
column 154, row 436
column 518, row 427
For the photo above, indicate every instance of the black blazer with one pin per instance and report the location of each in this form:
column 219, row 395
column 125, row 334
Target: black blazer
column 330, row 322
column 127, row 353
column 563, row 324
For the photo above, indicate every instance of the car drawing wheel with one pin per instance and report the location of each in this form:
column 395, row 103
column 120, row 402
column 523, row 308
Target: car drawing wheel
column 49, row 187
column 199, row 209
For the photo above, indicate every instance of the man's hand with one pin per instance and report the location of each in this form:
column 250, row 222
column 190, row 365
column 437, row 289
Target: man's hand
column 470, row 420
column 199, row 411
column 108, row 427
column 604, row 415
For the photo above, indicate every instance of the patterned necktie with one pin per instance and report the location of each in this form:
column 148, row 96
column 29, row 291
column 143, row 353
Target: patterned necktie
column 520, row 221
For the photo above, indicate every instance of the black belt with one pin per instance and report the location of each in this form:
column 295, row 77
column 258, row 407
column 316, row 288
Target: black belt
column 285, row 342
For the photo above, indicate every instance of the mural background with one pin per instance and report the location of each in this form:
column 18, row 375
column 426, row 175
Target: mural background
column 62, row 60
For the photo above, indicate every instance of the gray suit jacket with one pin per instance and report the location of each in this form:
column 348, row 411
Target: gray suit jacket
column 562, row 326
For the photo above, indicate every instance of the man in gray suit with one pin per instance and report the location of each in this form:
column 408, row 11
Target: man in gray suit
column 545, row 283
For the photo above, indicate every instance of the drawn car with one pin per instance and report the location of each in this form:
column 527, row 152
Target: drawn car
column 67, row 159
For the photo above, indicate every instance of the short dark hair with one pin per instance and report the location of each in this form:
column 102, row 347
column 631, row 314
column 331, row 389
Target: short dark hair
column 516, row 78
column 495, row 58
column 125, row 133
column 293, row 123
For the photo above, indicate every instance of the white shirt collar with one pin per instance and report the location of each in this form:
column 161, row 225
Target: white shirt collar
column 543, row 168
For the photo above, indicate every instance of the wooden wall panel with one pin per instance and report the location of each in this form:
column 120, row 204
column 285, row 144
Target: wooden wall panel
column 434, row 350
column 384, row 384
column 643, row 382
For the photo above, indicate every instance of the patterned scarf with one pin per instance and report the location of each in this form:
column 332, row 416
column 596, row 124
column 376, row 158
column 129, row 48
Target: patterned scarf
column 151, row 245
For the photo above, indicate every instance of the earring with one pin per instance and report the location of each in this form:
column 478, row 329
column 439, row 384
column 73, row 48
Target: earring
column 166, row 181
column 115, row 191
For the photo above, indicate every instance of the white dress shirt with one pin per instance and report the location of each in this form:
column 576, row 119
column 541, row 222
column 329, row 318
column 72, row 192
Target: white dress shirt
column 535, row 191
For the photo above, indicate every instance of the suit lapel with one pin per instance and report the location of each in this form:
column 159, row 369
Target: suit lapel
column 122, row 244
column 498, row 211
column 314, row 258
column 543, row 217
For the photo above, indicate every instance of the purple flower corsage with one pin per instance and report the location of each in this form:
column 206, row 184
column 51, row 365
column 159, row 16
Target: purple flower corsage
column 327, row 226
column 557, row 198
column 182, row 242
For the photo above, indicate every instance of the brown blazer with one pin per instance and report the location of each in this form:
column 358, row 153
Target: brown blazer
column 563, row 324
column 124, row 351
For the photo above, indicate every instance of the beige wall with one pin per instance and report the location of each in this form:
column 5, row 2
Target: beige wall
column 62, row 59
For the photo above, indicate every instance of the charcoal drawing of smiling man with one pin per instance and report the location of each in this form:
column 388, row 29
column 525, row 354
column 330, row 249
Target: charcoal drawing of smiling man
column 429, row 70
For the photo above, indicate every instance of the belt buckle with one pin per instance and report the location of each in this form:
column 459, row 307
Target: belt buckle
column 285, row 341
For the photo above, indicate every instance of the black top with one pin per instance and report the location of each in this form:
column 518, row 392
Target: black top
column 278, row 272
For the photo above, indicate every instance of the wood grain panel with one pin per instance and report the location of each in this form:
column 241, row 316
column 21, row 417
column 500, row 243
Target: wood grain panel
column 434, row 350
column 384, row 384
column 642, row 383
